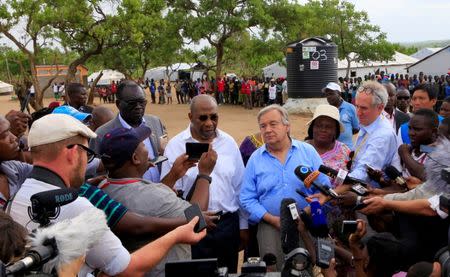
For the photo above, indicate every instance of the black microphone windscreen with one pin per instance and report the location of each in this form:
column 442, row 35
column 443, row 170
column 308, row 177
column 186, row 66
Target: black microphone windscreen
column 54, row 198
column 302, row 172
column 289, row 231
column 270, row 259
column 328, row 171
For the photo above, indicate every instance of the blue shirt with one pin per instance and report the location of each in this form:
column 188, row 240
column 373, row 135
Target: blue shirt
column 267, row 181
column 376, row 146
column 347, row 114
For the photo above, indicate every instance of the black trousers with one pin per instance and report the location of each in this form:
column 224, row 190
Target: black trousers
column 221, row 243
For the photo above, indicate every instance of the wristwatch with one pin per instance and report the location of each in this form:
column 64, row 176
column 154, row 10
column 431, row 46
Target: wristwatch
column 206, row 177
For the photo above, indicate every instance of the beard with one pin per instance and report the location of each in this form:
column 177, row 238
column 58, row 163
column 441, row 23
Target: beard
column 78, row 175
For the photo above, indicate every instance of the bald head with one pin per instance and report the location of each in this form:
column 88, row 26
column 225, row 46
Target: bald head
column 202, row 99
column 101, row 115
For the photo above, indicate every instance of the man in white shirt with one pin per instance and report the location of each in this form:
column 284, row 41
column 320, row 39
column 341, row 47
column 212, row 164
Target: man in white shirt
column 225, row 182
column 60, row 154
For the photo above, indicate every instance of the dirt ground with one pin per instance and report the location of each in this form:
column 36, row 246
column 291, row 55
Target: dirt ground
column 234, row 120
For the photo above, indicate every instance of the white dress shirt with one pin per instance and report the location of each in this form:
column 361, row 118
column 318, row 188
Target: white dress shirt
column 152, row 174
column 226, row 176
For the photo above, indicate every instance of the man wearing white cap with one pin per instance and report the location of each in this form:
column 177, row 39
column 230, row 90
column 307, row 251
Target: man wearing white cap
column 60, row 154
column 347, row 113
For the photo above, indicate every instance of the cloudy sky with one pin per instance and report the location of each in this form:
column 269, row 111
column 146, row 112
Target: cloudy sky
column 409, row 20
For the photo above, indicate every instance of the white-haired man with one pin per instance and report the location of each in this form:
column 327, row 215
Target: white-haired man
column 376, row 144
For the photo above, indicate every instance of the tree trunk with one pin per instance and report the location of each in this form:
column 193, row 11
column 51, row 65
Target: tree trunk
column 92, row 88
column 219, row 58
column 347, row 71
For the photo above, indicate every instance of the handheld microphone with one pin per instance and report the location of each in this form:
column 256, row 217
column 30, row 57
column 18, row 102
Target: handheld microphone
column 45, row 205
column 62, row 242
column 308, row 177
column 332, row 173
column 395, row 175
column 296, row 259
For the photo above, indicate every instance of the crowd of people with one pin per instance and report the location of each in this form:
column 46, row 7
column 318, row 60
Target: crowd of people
column 111, row 160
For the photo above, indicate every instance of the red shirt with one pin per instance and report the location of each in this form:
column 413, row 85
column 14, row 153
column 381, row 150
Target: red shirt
column 221, row 86
column 245, row 88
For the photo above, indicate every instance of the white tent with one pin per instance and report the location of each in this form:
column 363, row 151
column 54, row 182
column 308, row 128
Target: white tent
column 108, row 76
column 275, row 70
column 6, row 88
column 161, row 72
column 398, row 64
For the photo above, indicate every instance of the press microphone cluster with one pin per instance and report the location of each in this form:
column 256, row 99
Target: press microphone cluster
column 332, row 173
column 308, row 178
column 60, row 243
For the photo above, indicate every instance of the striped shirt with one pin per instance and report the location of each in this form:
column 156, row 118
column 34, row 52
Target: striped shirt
column 114, row 210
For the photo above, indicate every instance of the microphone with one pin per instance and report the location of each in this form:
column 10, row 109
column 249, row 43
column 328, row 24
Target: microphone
column 62, row 242
column 296, row 259
column 308, row 177
column 45, row 205
column 395, row 175
column 332, row 173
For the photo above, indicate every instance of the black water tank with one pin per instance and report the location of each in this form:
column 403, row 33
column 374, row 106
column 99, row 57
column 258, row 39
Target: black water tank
column 311, row 64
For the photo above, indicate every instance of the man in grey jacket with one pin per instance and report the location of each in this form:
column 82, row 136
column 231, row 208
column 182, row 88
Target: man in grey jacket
column 131, row 103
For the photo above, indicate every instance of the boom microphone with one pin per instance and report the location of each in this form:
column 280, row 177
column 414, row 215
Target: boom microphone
column 45, row 205
column 308, row 177
column 63, row 242
column 395, row 175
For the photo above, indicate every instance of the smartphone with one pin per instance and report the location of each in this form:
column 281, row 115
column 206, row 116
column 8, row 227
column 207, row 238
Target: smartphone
column 158, row 160
column 192, row 212
column 195, row 149
column 349, row 226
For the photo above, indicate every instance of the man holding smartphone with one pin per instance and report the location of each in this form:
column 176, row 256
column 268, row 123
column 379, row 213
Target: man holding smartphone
column 225, row 181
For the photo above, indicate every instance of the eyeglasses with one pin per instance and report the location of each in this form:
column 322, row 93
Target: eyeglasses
column 134, row 103
column 90, row 153
column 402, row 97
column 204, row 117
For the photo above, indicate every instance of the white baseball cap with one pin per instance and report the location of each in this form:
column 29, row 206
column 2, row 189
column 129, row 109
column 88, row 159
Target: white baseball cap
column 56, row 127
column 330, row 111
column 332, row 86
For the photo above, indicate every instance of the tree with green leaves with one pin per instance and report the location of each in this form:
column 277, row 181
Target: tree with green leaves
column 216, row 21
column 32, row 16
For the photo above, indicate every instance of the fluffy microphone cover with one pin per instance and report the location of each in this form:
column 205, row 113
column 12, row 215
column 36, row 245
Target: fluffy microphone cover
column 73, row 236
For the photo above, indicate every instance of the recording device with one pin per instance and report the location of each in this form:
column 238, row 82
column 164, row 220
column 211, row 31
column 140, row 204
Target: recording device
column 318, row 227
column 62, row 242
column 195, row 149
column 395, row 175
column 46, row 205
column 158, row 160
column 25, row 102
column 330, row 172
column 308, row 177
column 297, row 260
column 254, row 266
column 324, row 252
column 197, row 267
column 359, row 189
column 349, row 227
column 192, row 212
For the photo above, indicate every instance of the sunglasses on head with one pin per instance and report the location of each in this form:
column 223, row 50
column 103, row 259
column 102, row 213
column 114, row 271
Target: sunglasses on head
column 204, row 117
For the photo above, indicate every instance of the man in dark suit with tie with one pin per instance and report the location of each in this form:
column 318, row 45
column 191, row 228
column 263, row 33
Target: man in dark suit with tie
column 395, row 116
column 131, row 103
